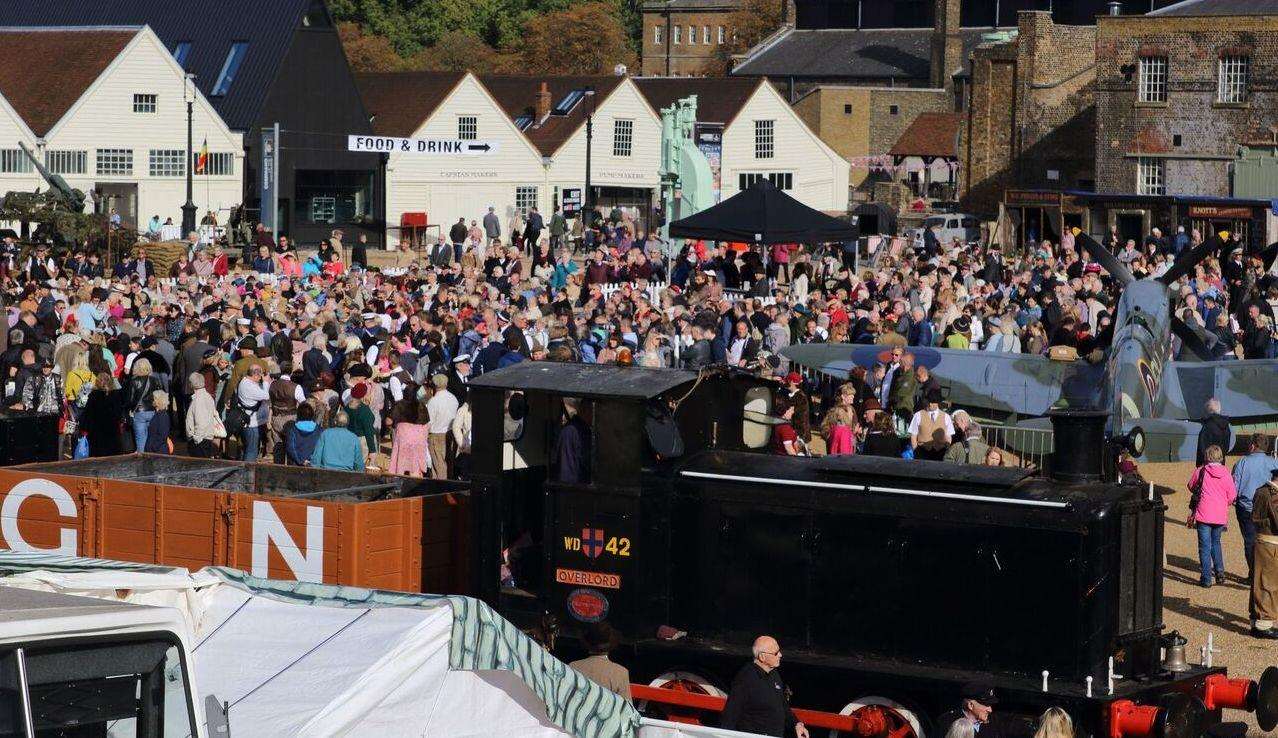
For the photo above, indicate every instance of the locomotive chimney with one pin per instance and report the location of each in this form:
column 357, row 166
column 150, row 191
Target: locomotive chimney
column 1079, row 449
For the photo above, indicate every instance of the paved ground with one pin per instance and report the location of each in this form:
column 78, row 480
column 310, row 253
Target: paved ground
column 1221, row 611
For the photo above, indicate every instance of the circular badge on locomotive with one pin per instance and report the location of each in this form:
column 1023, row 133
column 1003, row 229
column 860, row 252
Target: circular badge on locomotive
column 587, row 605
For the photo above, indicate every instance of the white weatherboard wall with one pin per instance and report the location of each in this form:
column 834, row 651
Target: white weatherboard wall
column 820, row 175
column 103, row 118
column 568, row 168
column 447, row 188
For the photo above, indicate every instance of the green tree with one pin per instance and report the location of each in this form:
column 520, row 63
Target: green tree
column 458, row 51
column 366, row 52
column 750, row 24
column 584, row 39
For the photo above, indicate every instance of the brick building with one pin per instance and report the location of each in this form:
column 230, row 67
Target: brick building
column 1031, row 115
column 863, row 123
column 682, row 38
column 1180, row 91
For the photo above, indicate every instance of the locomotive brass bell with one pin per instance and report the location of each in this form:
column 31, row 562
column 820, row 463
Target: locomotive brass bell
column 1174, row 657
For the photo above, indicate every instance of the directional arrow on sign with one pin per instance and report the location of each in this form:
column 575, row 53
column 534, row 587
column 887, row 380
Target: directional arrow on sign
column 478, row 147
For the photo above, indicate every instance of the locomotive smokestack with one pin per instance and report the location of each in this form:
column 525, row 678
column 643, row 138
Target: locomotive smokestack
column 1078, row 453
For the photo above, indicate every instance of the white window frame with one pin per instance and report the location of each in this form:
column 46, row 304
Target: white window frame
column 1232, row 73
column 780, row 180
column 678, row 34
column 14, row 161
column 623, row 137
column 1151, row 86
column 146, row 102
column 721, row 34
column 692, row 35
column 705, row 35
column 67, row 162
column 1151, row 176
column 220, row 164
column 468, row 127
column 525, row 198
column 765, row 139
column 166, row 163
column 114, row 162
column 656, row 35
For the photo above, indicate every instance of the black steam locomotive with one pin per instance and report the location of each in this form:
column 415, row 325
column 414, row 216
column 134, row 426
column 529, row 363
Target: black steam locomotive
column 889, row 583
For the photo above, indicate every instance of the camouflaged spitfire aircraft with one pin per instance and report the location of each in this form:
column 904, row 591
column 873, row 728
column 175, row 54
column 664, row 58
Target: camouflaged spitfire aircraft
column 1137, row 381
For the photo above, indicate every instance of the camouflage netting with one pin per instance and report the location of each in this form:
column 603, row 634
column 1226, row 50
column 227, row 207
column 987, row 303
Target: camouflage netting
column 164, row 253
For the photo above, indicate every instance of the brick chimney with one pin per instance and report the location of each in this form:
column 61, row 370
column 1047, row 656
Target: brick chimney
column 543, row 103
column 947, row 44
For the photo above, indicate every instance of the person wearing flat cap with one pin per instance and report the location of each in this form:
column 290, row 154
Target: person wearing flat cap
column 976, row 706
column 599, row 640
column 247, row 358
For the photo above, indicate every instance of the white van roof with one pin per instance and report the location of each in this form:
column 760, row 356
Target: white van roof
column 27, row 615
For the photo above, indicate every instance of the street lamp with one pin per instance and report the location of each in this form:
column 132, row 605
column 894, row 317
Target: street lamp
column 588, row 199
column 188, row 210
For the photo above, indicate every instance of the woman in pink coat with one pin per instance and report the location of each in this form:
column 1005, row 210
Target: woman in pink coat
column 410, row 451
column 1216, row 494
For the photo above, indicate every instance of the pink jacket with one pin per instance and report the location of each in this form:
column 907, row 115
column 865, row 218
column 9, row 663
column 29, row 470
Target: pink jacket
column 840, row 441
column 1218, row 493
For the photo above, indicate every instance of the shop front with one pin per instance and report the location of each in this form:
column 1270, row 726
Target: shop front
column 1135, row 216
column 1042, row 215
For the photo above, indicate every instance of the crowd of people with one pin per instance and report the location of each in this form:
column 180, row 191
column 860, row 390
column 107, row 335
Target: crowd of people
column 320, row 360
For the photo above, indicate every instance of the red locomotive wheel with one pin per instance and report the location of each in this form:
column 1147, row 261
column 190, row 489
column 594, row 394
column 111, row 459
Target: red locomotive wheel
column 683, row 681
column 881, row 717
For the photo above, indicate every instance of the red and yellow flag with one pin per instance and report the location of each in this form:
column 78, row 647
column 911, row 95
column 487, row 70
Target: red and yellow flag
column 202, row 160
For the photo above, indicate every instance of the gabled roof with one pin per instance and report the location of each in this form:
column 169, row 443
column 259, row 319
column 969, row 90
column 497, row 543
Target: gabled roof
column 931, row 134
column 210, row 26
column 517, row 95
column 719, row 99
column 1220, row 7
column 401, row 101
column 871, row 53
column 44, row 71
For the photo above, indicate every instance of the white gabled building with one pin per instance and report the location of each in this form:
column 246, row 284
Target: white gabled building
column 105, row 107
column 747, row 126
column 538, row 126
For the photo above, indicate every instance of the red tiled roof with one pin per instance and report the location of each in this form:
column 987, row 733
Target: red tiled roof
column 517, row 95
column 44, row 72
column 401, row 101
column 931, row 134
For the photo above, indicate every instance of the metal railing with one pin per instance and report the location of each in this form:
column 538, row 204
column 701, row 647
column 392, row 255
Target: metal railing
column 1027, row 448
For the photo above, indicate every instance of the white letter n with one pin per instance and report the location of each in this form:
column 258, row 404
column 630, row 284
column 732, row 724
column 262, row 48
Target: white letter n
column 267, row 527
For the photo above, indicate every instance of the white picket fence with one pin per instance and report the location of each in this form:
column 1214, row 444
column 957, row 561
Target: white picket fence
column 652, row 291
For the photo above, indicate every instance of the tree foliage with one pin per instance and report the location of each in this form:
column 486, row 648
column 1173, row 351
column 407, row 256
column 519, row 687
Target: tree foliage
column 584, row 39
column 496, row 35
column 751, row 23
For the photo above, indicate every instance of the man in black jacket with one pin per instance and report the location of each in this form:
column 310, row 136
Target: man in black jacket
column 758, row 701
column 1215, row 430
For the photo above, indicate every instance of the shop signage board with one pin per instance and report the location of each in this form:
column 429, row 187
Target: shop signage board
column 424, row 146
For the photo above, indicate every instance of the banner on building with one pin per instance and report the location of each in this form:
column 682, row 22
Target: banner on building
column 709, row 139
column 571, row 201
column 270, row 177
column 426, row 146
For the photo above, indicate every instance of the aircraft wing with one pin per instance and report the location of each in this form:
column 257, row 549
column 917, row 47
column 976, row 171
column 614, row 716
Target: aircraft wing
column 1247, row 389
column 1024, row 384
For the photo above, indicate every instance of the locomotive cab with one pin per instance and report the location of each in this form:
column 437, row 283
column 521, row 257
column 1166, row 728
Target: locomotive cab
column 567, row 520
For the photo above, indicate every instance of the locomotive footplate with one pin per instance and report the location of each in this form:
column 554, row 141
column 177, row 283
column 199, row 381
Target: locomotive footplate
column 821, row 681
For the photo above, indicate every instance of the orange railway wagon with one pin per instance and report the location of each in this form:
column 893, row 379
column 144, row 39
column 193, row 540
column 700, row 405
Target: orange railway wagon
column 386, row 532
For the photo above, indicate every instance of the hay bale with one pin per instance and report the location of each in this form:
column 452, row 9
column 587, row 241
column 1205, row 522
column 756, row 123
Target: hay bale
column 164, row 254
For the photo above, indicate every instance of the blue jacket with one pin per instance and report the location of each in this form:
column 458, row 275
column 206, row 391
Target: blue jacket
column 299, row 445
column 1250, row 473
column 338, row 448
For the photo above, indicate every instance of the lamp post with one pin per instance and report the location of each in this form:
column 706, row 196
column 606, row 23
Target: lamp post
column 588, row 200
column 188, row 210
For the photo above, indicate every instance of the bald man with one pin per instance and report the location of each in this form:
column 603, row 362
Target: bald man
column 758, row 702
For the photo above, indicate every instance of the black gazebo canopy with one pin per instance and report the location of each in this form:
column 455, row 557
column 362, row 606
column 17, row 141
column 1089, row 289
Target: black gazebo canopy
column 763, row 214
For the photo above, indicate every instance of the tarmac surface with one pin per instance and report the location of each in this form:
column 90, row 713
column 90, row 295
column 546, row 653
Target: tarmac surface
column 1220, row 610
